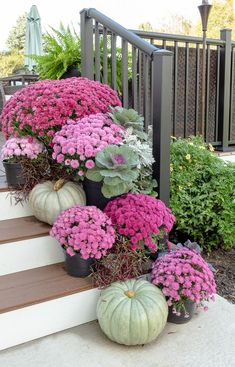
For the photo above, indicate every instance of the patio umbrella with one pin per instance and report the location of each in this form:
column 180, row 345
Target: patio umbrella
column 33, row 40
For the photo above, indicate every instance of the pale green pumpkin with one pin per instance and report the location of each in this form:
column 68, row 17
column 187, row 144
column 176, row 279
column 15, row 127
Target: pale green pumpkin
column 47, row 200
column 132, row 312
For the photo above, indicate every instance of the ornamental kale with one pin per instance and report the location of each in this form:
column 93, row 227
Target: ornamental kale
column 117, row 166
column 129, row 118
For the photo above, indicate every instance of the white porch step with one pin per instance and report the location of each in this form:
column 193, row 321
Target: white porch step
column 25, row 244
column 42, row 301
column 37, row 296
column 9, row 208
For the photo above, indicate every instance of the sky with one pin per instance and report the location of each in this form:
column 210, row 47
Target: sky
column 129, row 13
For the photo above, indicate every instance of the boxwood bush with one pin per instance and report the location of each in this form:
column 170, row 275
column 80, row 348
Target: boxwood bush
column 202, row 194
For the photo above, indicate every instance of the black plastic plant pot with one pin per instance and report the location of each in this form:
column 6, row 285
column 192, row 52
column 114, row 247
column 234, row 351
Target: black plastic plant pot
column 14, row 174
column 185, row 315
column 76, row 266
column 94, row 195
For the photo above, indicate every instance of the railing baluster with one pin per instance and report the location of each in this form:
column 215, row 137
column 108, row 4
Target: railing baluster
column 231, row 96
column 134, row 78
column 124, row 73
column 105, row 57
column 97, row 52
column 114, row 61
column 197, row 91
column 207, row 91
column 146, row 91
column 217, row 94
column 186, row 90
column 175, row 87
column 140, row 109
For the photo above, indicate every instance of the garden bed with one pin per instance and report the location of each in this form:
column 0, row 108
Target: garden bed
column 224, row 264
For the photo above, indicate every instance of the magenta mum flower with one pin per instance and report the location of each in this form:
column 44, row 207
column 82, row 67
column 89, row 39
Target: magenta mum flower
column 141, row 218
column 42, row 108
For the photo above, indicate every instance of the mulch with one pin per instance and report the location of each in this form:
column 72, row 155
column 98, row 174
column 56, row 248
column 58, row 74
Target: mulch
column 224, row 264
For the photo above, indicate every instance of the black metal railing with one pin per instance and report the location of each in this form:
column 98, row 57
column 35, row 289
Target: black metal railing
column 187, row 76
column 142, row 75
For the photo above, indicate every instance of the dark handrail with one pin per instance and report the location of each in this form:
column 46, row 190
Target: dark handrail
column 121, row 31
column 176, row 37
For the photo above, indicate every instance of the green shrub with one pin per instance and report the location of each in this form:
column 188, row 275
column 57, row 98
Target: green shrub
column 202, row 194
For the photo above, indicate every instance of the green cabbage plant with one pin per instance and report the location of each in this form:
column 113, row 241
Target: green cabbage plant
column 117, row 167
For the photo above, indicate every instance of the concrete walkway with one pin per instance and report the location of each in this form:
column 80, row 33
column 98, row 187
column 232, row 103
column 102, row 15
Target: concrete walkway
column 208, row 340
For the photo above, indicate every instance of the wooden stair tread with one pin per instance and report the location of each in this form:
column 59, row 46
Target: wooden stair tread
column 38, row 285
column 23, row 228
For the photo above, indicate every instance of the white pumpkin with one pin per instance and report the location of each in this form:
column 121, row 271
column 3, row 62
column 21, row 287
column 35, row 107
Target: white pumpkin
column 47, row 200
column 132, row 312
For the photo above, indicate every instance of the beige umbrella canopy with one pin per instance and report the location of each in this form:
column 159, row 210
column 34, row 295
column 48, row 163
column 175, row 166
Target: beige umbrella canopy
column 33, row 40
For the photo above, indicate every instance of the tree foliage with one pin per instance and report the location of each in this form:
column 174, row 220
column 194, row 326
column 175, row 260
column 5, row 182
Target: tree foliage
column 176, row 24
column 221, row 16
column 16, row 37
column 10, row 61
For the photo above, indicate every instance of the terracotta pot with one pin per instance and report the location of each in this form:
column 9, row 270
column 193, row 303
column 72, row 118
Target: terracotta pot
column 190, row 307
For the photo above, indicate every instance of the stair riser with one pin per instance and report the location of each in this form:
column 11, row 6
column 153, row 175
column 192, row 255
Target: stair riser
column 29, row 254
column 8, row 208
column 46, row 318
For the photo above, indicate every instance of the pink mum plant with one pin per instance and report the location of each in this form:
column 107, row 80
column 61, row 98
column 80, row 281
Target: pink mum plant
column 77, row 143
column 140, row 218
column 16, row 148
column 84, row 229
column 43, row 108
column 182, row 275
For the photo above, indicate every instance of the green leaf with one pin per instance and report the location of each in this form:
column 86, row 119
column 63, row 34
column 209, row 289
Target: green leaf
column 109, row 191
column 94, row 174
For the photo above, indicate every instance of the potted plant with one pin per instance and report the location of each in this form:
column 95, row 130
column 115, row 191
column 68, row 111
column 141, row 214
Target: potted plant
column 14, row 152
column 85, row 233
column 116, row 167
column 186, row 280
column 42, row 108
column 140, row 218
column 62, row 54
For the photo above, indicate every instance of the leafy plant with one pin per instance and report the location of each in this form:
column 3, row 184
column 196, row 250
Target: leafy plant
column 117, row 166
column 62, row 50
column 202, row 194
column 129, row 118
column 144, row 184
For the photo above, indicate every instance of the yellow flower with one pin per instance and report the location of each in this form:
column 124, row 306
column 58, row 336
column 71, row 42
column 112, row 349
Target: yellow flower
column 188, row 157
column 171, row 167
column 189, row 184
column 180, row 167
column 190, row 144
column 180, row 188
column 211, row 148
column 202, row 147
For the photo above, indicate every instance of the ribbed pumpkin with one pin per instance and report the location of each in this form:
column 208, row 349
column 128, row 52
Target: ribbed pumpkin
column 47, row 200
column 132, row 312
